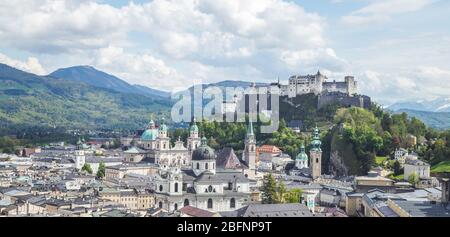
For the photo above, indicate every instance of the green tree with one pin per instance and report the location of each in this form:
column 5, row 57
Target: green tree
column 7, row 150
column 294, row 196
column 413, row 179
column 269, row 190
column 86, row 167
column 397, row 168
column 281, row 192
column 101, row 170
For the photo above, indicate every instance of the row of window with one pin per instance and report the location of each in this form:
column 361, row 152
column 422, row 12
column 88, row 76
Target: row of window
column 161, row 188
column 210, row 204
column 206, row 166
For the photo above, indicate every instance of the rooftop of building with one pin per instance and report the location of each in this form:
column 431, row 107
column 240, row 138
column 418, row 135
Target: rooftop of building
column 271, row 210
column 423, row 208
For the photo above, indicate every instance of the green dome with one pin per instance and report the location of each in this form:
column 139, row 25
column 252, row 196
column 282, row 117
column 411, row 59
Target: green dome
column 151, row 124
column 302, row 155
column 149, row 135
column 194, row 128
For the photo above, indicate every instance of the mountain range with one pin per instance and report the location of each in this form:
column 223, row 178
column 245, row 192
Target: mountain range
column 30, row 100
column 436, row 105
column 434, row 113
column 84, row 97
column 94, row 77
column 80, row 97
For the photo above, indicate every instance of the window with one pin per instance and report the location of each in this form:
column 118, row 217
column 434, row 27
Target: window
column 233, row 203
column 198, row 166
column 175, row 206
column 160, row 188
column 210, row 203
column 176, row 187
column 230, row 185
column 186, row 202
column 210, row 189
column 317, row 160
column 160, row 205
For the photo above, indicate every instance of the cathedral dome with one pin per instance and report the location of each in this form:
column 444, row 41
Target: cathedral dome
column 149, row 135
column 204, row 152
column 302, row 155
column 194, row 128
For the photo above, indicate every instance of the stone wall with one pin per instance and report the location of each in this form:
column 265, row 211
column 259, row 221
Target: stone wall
column 344, row 99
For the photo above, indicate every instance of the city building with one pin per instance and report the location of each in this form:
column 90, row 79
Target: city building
column 202, row 186
column 416, row 167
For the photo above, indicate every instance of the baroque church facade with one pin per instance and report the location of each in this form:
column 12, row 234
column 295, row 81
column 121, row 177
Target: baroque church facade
column 192, row 174
column 203, row 186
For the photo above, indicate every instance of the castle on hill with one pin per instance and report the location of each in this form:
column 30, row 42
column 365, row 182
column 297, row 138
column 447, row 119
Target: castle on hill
column 317, row 84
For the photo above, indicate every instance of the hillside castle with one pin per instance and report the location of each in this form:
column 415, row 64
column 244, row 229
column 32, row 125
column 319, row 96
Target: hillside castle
column 317, row 84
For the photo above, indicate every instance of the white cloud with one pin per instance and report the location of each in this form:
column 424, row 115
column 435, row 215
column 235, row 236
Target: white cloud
column 420, row 83
column 32, row 64
column 310, row 59
column 238, row 39
column 383, row 10
column 143, row 69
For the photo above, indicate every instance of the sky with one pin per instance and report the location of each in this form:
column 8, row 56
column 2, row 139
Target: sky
column 398, row 50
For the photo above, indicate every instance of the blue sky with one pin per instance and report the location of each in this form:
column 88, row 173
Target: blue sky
column 397, row 49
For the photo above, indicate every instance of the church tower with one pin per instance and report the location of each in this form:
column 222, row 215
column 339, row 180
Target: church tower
column 193, row 141
column 80, row 159
column 301, row 161
column 163, row 139
column 316, row 155
column 250, row 150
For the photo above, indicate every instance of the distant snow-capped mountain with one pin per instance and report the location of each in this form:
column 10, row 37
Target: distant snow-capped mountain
column 437, row 105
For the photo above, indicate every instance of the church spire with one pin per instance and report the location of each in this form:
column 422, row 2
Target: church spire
column 316, row 143
column 250, row 128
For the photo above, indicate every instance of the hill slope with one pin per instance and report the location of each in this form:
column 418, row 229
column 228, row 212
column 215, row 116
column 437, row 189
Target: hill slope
column 94, row 77
column 439, row 120
column 28, row 99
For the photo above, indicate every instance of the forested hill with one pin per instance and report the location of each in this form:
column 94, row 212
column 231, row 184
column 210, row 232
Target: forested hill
column 30, row 100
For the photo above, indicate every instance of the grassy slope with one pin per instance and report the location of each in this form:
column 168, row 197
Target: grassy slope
column 441, row 167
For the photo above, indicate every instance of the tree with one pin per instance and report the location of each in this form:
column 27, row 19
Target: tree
column 269, row 190
column 87, row 168
column 7, row 150
column 281, row 192
column 397, row 168
column 413, row 179
column 294, row 196
column 101, row 170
